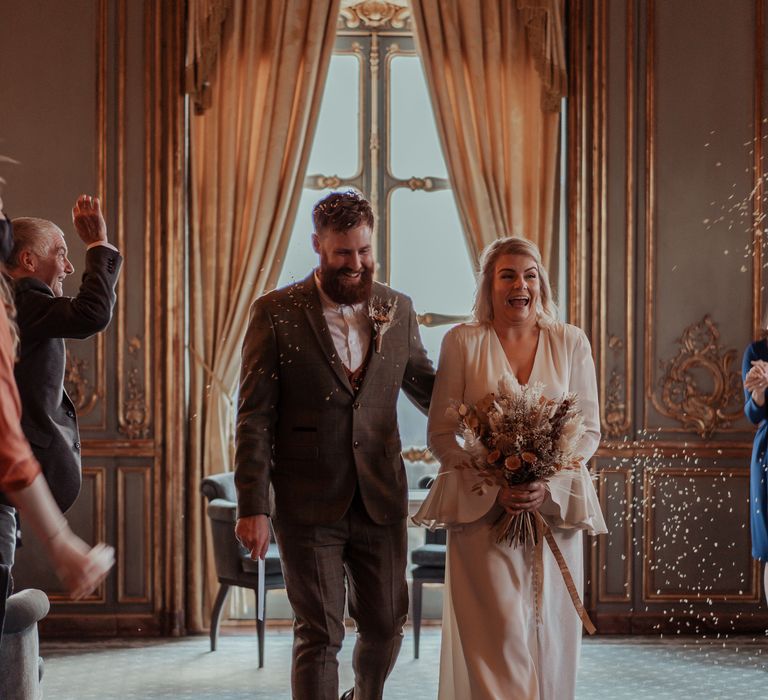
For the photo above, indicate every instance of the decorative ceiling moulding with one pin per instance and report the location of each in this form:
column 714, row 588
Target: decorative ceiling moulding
column 375, row 14
column 683, row 399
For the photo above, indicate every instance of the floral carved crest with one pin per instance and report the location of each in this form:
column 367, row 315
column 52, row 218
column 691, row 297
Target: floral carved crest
column 684, row 399
column 374, row 13
column 78, row 386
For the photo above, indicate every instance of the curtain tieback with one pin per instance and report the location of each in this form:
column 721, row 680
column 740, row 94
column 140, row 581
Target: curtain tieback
column 538, row 573
column 212, row 375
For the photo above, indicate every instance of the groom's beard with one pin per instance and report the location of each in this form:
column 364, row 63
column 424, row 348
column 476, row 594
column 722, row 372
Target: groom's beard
column 346, row 290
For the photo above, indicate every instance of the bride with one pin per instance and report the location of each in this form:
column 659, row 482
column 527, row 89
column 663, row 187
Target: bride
column 498, row 643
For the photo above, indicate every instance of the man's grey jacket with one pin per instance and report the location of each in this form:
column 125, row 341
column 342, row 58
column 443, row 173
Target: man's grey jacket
column 48, row 415
column 302, row 428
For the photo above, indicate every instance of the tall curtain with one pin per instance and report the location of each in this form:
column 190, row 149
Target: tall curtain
column 496, row 75
column 248, row 158
column 205, row 21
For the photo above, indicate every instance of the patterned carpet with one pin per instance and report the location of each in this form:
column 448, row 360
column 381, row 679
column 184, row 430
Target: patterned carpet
column 612, row 668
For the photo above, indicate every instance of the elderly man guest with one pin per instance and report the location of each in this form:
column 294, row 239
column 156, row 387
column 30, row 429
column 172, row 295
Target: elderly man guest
column 38, row 265
column 79, row 567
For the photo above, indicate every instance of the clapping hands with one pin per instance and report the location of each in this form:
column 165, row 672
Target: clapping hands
column 81, row 568
column 757, row 377
column 88, row 220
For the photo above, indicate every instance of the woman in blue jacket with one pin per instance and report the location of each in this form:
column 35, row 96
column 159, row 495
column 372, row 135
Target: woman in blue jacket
column 755, row 373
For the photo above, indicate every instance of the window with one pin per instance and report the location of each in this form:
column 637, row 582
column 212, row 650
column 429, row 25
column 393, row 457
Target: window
column 376, row 132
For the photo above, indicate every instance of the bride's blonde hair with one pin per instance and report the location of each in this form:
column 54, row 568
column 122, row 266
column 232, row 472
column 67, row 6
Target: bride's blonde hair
column 546, row 308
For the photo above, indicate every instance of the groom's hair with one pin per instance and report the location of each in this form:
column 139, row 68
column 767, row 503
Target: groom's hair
column 341, row 211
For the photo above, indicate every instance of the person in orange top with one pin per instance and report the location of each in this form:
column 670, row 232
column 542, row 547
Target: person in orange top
column 79, row 567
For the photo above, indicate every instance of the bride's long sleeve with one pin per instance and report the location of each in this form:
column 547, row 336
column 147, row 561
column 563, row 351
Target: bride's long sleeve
column 450, row 501
column 574, row 502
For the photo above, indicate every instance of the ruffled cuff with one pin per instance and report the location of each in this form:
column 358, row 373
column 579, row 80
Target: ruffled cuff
column 573, row 503
column 451, row 502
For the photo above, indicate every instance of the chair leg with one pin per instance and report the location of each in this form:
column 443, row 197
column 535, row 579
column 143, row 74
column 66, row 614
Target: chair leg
column 260, row 630
column 218, row 605
column 417, row 586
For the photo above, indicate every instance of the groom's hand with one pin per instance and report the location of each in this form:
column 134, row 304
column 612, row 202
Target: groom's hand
column 253, row 534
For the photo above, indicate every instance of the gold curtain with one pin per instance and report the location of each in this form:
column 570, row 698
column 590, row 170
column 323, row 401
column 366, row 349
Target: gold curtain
column 248, row 159
column 496, row 75
column 205, row 22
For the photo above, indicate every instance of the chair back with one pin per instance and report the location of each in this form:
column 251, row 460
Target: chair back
column 219, row 486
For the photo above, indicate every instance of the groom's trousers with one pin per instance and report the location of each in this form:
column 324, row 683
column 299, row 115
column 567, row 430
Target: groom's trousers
column 316, row 560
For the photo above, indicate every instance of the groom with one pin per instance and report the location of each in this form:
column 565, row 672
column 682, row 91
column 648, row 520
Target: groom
column 322, row 366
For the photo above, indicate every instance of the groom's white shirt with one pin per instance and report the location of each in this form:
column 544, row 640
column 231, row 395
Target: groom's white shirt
column 350, row 328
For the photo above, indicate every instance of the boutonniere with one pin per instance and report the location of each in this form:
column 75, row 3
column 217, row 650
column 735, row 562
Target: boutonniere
column 382, row 313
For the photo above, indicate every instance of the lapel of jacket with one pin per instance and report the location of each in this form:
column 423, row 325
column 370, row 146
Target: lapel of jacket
column 376, row 359
column 313, row 309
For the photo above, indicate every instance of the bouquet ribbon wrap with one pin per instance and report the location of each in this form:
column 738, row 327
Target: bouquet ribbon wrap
column 545, row 533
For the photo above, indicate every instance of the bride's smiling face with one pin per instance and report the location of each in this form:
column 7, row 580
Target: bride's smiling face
column 515, row 292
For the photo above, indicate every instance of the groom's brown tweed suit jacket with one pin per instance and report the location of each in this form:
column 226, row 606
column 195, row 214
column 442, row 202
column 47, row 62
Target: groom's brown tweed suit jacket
column 302, row 428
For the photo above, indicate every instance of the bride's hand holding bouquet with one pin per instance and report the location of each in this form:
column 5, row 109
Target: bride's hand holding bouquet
column 517, row 439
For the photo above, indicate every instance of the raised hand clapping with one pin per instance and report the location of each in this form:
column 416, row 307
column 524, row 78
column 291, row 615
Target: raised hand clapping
column 88, row 220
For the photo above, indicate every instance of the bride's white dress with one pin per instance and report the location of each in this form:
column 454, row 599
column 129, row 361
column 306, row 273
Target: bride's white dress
column 492, row 646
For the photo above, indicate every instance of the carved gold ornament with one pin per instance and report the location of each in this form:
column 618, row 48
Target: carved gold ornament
column 615, row 417
column 324, row 182
column 615, row 406
column 418, row 454
column 79, row 389
column 682, row 397
column 135, row 423
column 374, row 13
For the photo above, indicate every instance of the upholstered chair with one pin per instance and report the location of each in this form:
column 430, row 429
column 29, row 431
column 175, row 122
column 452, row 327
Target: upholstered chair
column 428, row 567
column 21, row 667
column 234, row 566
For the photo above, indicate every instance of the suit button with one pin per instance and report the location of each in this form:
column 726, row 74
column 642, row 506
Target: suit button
column 77, row 445
column 355, row 444
column 71, row 414
column 356, row 405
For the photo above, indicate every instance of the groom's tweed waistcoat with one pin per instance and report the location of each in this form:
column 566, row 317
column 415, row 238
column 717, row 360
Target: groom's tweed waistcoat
column 303, row 429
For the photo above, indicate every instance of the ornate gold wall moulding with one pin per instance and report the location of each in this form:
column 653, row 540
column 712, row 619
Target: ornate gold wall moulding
column 418, row 454
column 431, row 320
column 134, row 421
column 323, row 182
column 420, row 183
column 615, row 410
column 83, row 396
column 615, row 406
column 683, row 399
column 376, row 14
